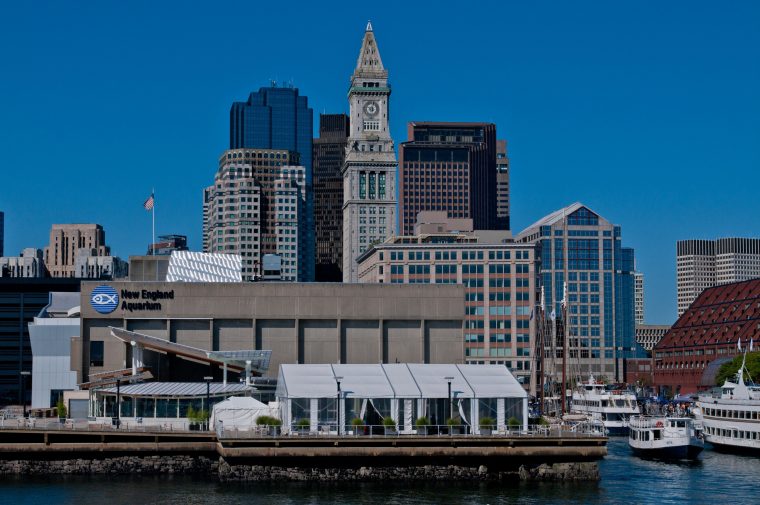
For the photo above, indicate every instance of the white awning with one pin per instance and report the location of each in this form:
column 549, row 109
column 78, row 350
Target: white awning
column 397, row 381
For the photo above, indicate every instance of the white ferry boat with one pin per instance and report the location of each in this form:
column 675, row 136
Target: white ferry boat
column 731, row 419
column 612, row 407
column 664, row 437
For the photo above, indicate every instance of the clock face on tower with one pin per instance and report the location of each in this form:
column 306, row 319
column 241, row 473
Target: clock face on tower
column 371, row 108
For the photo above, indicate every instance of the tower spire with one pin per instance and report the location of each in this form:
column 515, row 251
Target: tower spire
column 369, row 63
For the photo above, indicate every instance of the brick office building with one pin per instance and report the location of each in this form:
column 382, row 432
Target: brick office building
column 708, row 331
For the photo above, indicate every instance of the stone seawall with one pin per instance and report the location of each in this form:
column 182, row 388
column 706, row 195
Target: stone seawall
column 124, row 465
column 222, row 470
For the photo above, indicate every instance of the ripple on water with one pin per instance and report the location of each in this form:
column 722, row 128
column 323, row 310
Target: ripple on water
column 716, row 477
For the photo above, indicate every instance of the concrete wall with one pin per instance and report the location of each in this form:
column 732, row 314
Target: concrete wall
column 299, row 323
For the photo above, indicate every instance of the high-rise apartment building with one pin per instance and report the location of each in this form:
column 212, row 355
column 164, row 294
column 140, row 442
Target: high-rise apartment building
column 279, row 118
column 69, row 241
column 500, row 282
column 702, row 264
column 638, row 278
column 449, row 167
column 329, row 154
column 583, row 251
column 369, row 170
column 256, row 207
column 502, row 185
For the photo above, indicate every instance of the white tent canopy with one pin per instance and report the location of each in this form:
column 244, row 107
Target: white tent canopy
column 240, row 412
column 397, row 381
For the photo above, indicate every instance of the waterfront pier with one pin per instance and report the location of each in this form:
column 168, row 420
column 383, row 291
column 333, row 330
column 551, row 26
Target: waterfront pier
column 528, row 455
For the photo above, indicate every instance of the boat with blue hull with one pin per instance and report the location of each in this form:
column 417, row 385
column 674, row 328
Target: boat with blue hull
column 661, row 437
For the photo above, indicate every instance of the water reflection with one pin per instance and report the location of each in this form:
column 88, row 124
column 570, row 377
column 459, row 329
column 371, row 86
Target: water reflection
column 725, row 478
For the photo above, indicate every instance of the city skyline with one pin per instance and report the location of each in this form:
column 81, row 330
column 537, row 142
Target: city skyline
column 631, row 112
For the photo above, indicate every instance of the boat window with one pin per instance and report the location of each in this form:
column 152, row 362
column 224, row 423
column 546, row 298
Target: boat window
column 657, row 434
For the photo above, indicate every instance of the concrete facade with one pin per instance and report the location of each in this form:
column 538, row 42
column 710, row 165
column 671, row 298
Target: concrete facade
column 648, row 335
column 243, row 212
column 638, row 296
column 500, row 288
column 28, row 265
column 50, row 335
column 65, row 242
column 369, row 171
column 299, row 323
column 702, row 264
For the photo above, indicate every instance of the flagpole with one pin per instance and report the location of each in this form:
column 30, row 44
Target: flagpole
column 153, row 231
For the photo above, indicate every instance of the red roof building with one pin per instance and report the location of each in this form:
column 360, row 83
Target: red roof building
column 708, row 331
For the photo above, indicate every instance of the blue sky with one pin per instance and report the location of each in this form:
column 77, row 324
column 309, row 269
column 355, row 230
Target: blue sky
column 647, row 112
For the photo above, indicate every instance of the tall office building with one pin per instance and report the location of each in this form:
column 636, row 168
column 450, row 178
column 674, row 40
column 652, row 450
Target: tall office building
column 329, row 154
column 581, row 249
column 279, row 118
column 499, row 276
column 449, row 167
column 502, row 185
column 639, row 296
column 702, row 264
column 256, row 207
column 70, row 241
column 369, row 171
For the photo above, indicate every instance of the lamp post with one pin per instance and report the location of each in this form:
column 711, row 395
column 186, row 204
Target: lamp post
column 118, row 403
column 24, row 374
column 448, row 381
column 337, row 410
column 208, row 400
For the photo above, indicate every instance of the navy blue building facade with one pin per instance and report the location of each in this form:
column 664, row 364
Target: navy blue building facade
column 279, row 118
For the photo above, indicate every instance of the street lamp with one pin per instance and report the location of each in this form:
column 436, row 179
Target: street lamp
column 208, row 400
column 337, row 410
column 118, row 403
column 24, row 375
column 448, row 381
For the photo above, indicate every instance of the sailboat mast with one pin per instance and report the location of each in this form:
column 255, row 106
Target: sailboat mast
column 564, row 348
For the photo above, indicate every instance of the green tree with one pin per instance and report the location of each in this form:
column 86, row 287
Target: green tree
column 729, row 369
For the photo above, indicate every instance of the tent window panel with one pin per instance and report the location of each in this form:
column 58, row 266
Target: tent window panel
column 300, row 409
column 328, row 413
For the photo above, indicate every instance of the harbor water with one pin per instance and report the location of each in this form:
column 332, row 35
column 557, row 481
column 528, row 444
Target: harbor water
column 716, row 477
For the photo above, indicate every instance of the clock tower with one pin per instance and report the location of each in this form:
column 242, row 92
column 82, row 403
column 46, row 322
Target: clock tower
column 369, row 170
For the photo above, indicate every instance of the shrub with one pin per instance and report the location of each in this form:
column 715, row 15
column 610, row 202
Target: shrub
column 421, row 422
column 513, row 422
column 356, row 422
column 487, row 423
column 303, row 423
column 268, row 421
column 389, row 422
column 61, row 408
column 454, row 421
column 542, row 421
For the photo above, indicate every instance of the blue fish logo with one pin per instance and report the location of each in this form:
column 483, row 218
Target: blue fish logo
column 104, row 299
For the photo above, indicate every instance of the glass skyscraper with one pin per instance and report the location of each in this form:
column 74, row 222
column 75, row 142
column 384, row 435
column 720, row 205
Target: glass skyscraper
column 583, row 251
column 279, row 118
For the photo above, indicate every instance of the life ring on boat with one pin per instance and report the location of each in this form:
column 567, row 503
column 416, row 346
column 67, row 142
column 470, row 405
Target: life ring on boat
column 659, row 424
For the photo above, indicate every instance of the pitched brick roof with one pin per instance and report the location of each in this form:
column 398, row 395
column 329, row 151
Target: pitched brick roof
column 720, row 315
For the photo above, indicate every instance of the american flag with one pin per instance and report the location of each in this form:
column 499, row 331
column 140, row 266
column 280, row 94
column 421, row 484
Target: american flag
column 149, row 202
